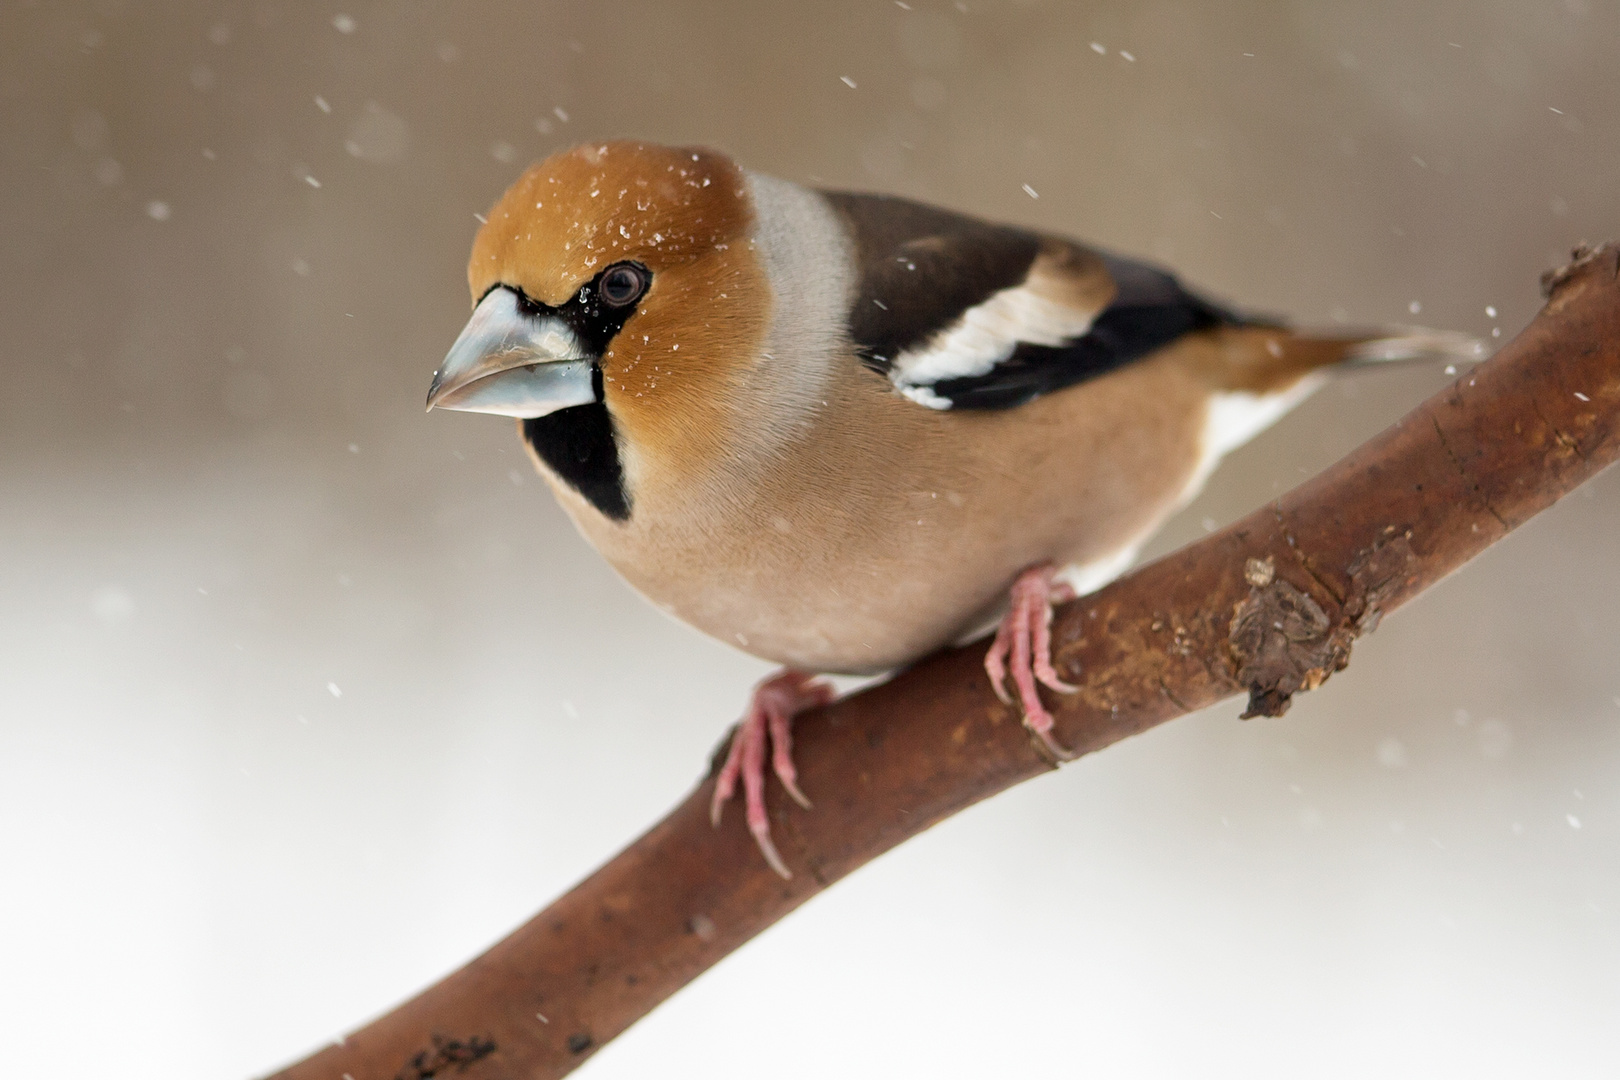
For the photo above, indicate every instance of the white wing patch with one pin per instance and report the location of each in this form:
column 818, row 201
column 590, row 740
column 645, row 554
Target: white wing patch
column 984, row 336
column 922, row 395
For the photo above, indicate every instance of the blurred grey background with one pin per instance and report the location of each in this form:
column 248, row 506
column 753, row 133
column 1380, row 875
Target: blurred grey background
column 306, row 697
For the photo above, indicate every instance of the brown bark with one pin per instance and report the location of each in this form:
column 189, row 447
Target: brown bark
column 1270, row 606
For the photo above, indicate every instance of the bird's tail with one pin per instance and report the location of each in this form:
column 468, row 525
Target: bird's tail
column 1399, row 344
column 1265, row 358
column 1265, row 370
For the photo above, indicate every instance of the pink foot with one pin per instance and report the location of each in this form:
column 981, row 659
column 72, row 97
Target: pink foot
column 1025, row 638
column 769, row 718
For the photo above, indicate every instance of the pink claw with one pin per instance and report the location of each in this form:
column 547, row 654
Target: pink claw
column 1025, row 639
column 769, row 719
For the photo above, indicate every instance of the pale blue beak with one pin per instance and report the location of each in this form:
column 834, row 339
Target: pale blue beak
column 512, row 364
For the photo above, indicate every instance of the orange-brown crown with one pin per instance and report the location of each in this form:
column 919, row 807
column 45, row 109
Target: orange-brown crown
column 582, row 209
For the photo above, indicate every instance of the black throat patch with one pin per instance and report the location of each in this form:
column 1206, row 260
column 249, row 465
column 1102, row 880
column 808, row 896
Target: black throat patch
column 579, row 443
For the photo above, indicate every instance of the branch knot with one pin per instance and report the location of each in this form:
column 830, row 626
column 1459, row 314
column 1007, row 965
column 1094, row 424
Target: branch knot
column 1283, row 642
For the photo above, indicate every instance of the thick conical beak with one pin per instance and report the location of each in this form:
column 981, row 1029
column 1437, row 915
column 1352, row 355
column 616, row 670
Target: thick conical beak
column 512, row 364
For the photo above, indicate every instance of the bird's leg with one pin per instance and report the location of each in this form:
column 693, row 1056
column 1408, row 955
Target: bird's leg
column 769, row 719
column 1024, row 642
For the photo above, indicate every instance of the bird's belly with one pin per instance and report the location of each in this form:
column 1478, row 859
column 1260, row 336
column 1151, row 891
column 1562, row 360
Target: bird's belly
column 848, row 619
column 851, row 607
column 873, row 628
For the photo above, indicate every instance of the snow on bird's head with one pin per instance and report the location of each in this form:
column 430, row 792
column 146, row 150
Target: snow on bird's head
column 581, row 210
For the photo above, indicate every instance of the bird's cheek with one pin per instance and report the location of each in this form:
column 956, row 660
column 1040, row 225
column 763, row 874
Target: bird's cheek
column 630, row 373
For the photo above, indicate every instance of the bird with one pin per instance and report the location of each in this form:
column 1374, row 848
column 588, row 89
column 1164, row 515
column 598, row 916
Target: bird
column 840, row 430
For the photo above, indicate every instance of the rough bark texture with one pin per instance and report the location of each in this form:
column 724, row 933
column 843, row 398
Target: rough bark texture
column 1269, row 606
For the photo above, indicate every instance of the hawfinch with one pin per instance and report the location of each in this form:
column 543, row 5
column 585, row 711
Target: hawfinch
column 839, row 431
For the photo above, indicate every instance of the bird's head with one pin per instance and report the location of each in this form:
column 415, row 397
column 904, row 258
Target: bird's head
column 615, row 290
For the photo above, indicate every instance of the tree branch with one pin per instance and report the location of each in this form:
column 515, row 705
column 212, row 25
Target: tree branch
column 1269, row 606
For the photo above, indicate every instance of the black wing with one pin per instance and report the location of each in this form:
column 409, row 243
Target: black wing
column 1040, row 313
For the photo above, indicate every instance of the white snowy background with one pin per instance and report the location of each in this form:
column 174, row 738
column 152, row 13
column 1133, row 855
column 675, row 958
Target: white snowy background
column 306, row 697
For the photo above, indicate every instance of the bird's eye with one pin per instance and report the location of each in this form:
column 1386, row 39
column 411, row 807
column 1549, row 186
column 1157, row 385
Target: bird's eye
column 623, row 284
